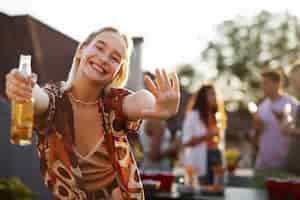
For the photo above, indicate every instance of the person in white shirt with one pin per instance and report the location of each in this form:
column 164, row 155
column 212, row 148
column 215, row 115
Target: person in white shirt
column 203, row 133
column 272, row 141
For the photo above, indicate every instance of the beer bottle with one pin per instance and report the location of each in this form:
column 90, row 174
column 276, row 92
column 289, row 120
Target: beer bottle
column 22, row 112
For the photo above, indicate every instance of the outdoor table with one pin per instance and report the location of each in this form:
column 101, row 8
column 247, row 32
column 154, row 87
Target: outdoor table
column 231, row 193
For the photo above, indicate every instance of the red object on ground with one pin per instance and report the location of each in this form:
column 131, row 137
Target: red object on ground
column 295, row 189
column 165, row 179
column 283, row 188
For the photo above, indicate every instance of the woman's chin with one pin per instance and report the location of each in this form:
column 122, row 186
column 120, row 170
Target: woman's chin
column 93, row 77
column 96, row 77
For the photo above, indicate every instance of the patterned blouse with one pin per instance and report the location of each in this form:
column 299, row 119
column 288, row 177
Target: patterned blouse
column 59, row 163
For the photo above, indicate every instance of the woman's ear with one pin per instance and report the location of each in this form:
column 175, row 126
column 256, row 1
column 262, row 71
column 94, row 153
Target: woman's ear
column 79, row 52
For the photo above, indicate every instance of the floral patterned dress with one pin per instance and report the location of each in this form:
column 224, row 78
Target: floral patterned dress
column 59, row 163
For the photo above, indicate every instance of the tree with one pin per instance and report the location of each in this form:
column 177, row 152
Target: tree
column 189, row 77
column 246, row 46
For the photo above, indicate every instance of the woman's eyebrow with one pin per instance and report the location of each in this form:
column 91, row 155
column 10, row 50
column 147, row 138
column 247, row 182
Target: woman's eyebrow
column 114, row 50
column 117, row 53
column 101, row 42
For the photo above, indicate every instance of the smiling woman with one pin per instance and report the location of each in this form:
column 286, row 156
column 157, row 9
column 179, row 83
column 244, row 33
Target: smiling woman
column 82, row 124
column 117, row 55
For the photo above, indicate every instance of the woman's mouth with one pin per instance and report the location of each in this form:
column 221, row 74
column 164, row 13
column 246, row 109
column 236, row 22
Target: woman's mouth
column 97, row 67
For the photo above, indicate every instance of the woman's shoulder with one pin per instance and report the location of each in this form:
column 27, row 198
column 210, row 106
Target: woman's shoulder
column 113, row 98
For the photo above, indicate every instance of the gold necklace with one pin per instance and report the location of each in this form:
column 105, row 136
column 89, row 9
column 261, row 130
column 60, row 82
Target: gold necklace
column 82, row 102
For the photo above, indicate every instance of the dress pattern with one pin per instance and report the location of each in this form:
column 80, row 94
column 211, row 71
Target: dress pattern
column 59, row 164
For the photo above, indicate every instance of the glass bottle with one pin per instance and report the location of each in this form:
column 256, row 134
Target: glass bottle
column 22, row 112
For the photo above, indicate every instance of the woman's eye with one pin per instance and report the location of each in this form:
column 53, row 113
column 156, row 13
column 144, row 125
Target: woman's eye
column 99, row 48
column 116, row 60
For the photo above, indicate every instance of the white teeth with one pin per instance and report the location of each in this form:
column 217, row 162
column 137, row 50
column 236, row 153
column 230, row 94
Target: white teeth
column 97, row 67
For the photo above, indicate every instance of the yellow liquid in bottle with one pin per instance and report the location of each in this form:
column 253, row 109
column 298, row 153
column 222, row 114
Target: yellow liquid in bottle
column 22, row 123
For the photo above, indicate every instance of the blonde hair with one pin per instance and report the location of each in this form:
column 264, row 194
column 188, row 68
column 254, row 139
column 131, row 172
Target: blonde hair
column 120, row 78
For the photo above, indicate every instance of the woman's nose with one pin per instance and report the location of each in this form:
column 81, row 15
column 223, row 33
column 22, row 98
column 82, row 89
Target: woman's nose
column 104, row 57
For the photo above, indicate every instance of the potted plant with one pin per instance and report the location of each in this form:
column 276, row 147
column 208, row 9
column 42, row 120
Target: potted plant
column 232, row 156
column 14, row 189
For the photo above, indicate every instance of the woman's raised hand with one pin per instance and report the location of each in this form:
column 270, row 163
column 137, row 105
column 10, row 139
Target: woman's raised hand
column 167, row 95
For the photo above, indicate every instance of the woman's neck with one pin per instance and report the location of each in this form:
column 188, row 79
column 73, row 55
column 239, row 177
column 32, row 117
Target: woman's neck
column 85, row 90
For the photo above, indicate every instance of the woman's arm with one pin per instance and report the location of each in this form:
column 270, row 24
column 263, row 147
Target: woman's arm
column 199, row 139
column 160, row 101
column 40, row 99
column 192, row 125
column 21, row 88
column 136, row 102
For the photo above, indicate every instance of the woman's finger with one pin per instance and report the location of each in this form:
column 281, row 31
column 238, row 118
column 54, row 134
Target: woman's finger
column 159, row 80
column 175, row 82
column 16, row 93
column 21, row 85
column 150, row 85
column 19, row 76
column 24, row 86
column 15, row 88
column 16, row 77
column 166, row 79
column 20, row 91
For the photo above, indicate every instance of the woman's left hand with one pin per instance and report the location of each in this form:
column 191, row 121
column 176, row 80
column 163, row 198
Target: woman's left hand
column 167, row 95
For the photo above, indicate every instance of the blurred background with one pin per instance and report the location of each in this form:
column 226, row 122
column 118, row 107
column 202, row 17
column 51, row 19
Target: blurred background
column 228, row 43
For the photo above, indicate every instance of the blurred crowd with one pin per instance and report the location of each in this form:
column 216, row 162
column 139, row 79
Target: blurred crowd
column 198, row 142
column 198, row 145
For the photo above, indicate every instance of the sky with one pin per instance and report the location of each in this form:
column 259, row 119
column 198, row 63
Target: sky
column 174, row 31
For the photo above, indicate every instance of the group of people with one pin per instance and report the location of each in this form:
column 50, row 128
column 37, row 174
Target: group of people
column 199, row 148
column 275, row 133
column 81, row 124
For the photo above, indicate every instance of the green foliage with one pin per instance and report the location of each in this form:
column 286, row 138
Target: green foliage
column 14, row 189
column 188, row 76
column 247, row 46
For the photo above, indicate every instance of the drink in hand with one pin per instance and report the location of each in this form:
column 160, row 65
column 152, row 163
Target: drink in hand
column 22, row 112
